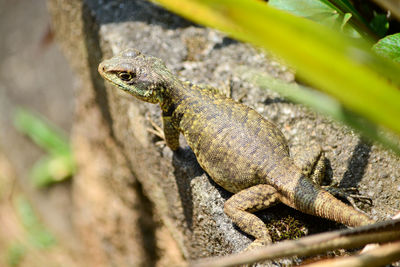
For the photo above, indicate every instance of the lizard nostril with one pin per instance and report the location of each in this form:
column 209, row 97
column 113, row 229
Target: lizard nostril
column 101, row 68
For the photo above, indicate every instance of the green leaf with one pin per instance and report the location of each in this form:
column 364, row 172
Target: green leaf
column 41, row 132
column 311, row 9
column 304, row 8
column 334, row 14
column 389, row 47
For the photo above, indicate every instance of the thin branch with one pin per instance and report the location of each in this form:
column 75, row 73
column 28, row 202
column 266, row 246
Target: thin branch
column 380, row 256
column 349, row 238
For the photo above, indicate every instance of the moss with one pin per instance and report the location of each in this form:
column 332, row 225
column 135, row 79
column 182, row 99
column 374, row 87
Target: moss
column 286, row 228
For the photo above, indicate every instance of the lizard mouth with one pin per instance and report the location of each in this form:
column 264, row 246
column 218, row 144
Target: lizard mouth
column 108, row 75
column 102, row 71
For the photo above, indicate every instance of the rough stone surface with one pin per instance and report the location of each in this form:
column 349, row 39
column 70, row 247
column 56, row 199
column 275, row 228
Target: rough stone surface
column 117, row 154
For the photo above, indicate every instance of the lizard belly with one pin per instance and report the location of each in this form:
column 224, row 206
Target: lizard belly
column 233, row 172
column 235, row 149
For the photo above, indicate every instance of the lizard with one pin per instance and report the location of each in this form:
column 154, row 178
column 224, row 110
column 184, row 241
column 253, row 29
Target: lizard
column 237, row 147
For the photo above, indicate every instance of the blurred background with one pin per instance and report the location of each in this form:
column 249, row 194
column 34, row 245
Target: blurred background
column 36, row 104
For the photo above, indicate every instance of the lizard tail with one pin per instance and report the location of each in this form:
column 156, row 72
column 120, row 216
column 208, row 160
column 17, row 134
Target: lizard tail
column 316, row 201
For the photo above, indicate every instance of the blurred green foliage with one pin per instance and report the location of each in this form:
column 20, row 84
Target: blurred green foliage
column 15, row 254
column 319, row 102
column 58, row 165
column 37, row 236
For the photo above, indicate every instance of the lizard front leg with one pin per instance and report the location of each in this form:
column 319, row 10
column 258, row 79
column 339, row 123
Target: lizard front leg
column 241, row 205
column 171, row 134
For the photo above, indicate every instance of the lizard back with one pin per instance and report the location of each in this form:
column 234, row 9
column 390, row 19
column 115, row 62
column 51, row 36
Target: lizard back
column 235, row 144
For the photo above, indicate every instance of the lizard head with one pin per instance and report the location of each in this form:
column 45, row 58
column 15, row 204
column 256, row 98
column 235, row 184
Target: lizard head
column 140, row 75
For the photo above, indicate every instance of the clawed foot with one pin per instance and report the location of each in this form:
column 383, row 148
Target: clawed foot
column 157, row 131
column 351, row 194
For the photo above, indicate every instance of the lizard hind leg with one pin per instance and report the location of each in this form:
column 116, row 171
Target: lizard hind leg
column 241, row 205
column 312, row 164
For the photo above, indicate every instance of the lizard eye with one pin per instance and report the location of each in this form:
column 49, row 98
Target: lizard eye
column 126, row 76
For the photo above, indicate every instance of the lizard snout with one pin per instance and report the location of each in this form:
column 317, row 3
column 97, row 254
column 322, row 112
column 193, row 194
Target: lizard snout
column 101, row 68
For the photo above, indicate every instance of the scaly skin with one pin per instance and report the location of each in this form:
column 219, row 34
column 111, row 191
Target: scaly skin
column 241, row 151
